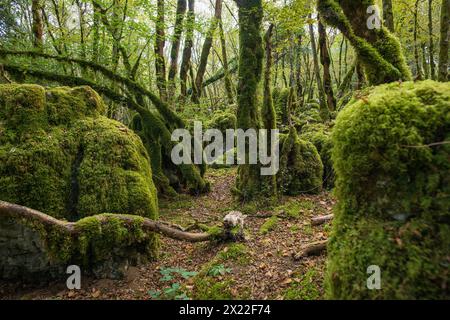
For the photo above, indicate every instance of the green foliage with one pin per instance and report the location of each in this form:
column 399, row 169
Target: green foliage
column 269, row 225
column 392, row 188
column 218, row 270
column 301, row 169
column 307, row 288
column 235, row 252
column 222, row 120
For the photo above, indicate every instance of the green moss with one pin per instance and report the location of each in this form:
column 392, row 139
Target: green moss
column 269, row 225
column 295, row 208
column 320, row 135
column 235, row 252
column 377, row 49
column 58, row 155
column 301, row 169
column 393, row 194
column 307, row 287
column 222, row 121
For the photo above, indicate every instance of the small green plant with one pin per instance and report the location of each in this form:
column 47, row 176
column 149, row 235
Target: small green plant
column 169, row 273
column 235, row 252
column 218, row 270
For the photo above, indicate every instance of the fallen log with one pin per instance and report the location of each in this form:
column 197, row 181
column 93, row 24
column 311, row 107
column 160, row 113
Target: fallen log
column 321, row 220
column 20, row 212
column 311, row 249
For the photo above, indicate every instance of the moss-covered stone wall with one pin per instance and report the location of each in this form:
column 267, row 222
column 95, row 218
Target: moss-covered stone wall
column 59, row 155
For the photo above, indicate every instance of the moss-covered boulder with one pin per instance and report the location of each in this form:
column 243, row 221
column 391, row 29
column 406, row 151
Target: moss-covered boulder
column 301, row 170
column 392, row 162
column 319, row 135
column 59, row 155
column 222, row 121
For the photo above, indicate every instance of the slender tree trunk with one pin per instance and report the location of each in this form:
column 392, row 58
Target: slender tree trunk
column 443, row 47
column 187, row 51
column 419, row 71
column 388, row 15
column 325, row 61
column 431, row 40
column 227, row 79
column 197, row 90
column 160, row 63
column 248, row 184
column 96, row 35
column 321, row 91
column 38, row 26
column 174, row 53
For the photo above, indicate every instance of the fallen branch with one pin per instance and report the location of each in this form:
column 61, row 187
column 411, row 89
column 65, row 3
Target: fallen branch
column 20, row 212
column 311, row 249
column 321, row 220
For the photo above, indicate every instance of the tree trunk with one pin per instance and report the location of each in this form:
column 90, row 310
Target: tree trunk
column 419, row 71
column 431, row 40
column 38, row 26
column 443, row 50
column 226, row 71
column 160, row 63
column 248, row 184
column 174, row 53
column 378, row 50
column 321, row 91
column 187, row 51
column 388, row 15
column 325, row 61
column 197, row 90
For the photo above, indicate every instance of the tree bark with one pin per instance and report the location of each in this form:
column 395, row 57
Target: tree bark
column 160, row 63
column 187, row 51
column 388, row 15
column 175, row 50
column 227, row 79
column 325, row 60
column 431, row 40
column 38, row 26
column 419, row 71
column 443, row 48
column 320, row 89
column 197, row 89
column 248, row 184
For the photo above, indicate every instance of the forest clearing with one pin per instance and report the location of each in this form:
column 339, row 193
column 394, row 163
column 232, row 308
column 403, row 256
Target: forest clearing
column 224, row 150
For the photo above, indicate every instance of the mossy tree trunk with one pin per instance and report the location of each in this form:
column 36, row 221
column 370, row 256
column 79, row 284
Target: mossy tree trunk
column 431, row 40
column 187, row 51
column 251, row 55
column 207, row 45
column 443, row 50
column 326, row 61
column 160, row 63
column 419, row 70
column 320, row 89
column 388, row 15
column 377, row 48
column 226, row 71
column 175, row 50
column 38, row 27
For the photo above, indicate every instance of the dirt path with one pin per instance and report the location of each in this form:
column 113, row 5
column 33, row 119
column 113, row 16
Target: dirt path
column 259, row 268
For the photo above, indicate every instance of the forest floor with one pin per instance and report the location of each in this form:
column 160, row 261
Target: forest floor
column 262, row 267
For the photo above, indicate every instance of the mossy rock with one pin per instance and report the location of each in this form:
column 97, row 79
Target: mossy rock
column 319, row 134
column 222, row 121
column 393, row 191
column 59, row 155
column 301, row 170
